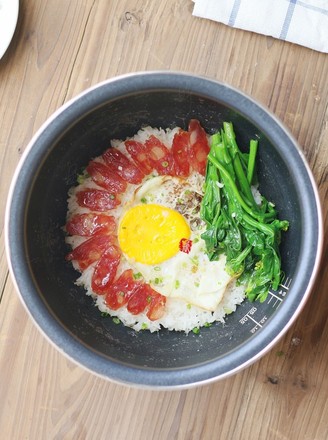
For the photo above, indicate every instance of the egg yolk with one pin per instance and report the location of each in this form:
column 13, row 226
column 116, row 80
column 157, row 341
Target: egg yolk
column 150, row 234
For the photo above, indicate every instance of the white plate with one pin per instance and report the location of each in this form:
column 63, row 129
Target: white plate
column 8, row 21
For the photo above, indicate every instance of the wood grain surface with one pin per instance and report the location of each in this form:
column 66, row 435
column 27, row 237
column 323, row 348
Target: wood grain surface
column 60, row 48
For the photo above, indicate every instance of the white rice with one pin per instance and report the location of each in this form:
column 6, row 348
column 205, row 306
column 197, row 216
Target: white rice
column 179, row 315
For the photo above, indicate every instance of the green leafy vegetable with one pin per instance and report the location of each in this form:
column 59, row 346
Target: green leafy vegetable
column 248, row 233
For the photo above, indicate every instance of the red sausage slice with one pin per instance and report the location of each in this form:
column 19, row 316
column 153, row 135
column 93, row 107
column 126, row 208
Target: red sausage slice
column 160, row 156
column 120, row 291
column 147, row 298
column 157, row 306
column 87, row 225
column 199, row 147
column 139, row 300
column 180, row 150
column 105, row 177
column 121, row 165
column 105, row 270
column 89, row 251
column 138, row 152
column 97, row 199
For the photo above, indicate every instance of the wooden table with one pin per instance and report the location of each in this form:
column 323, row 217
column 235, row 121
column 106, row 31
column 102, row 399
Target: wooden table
column 60, row 48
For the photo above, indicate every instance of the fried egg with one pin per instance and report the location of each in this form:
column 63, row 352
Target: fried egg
column 163, row 211
column 150, row 234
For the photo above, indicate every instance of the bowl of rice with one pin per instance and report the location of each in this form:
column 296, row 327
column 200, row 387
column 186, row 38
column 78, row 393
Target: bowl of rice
column 163, row 230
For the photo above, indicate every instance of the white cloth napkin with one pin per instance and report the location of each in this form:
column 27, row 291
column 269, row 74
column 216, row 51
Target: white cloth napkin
column 303, row 22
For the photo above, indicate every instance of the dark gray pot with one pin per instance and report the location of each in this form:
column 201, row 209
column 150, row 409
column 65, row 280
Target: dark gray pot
column 36, row 249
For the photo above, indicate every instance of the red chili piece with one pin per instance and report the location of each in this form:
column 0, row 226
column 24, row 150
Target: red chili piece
column 185, row 245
